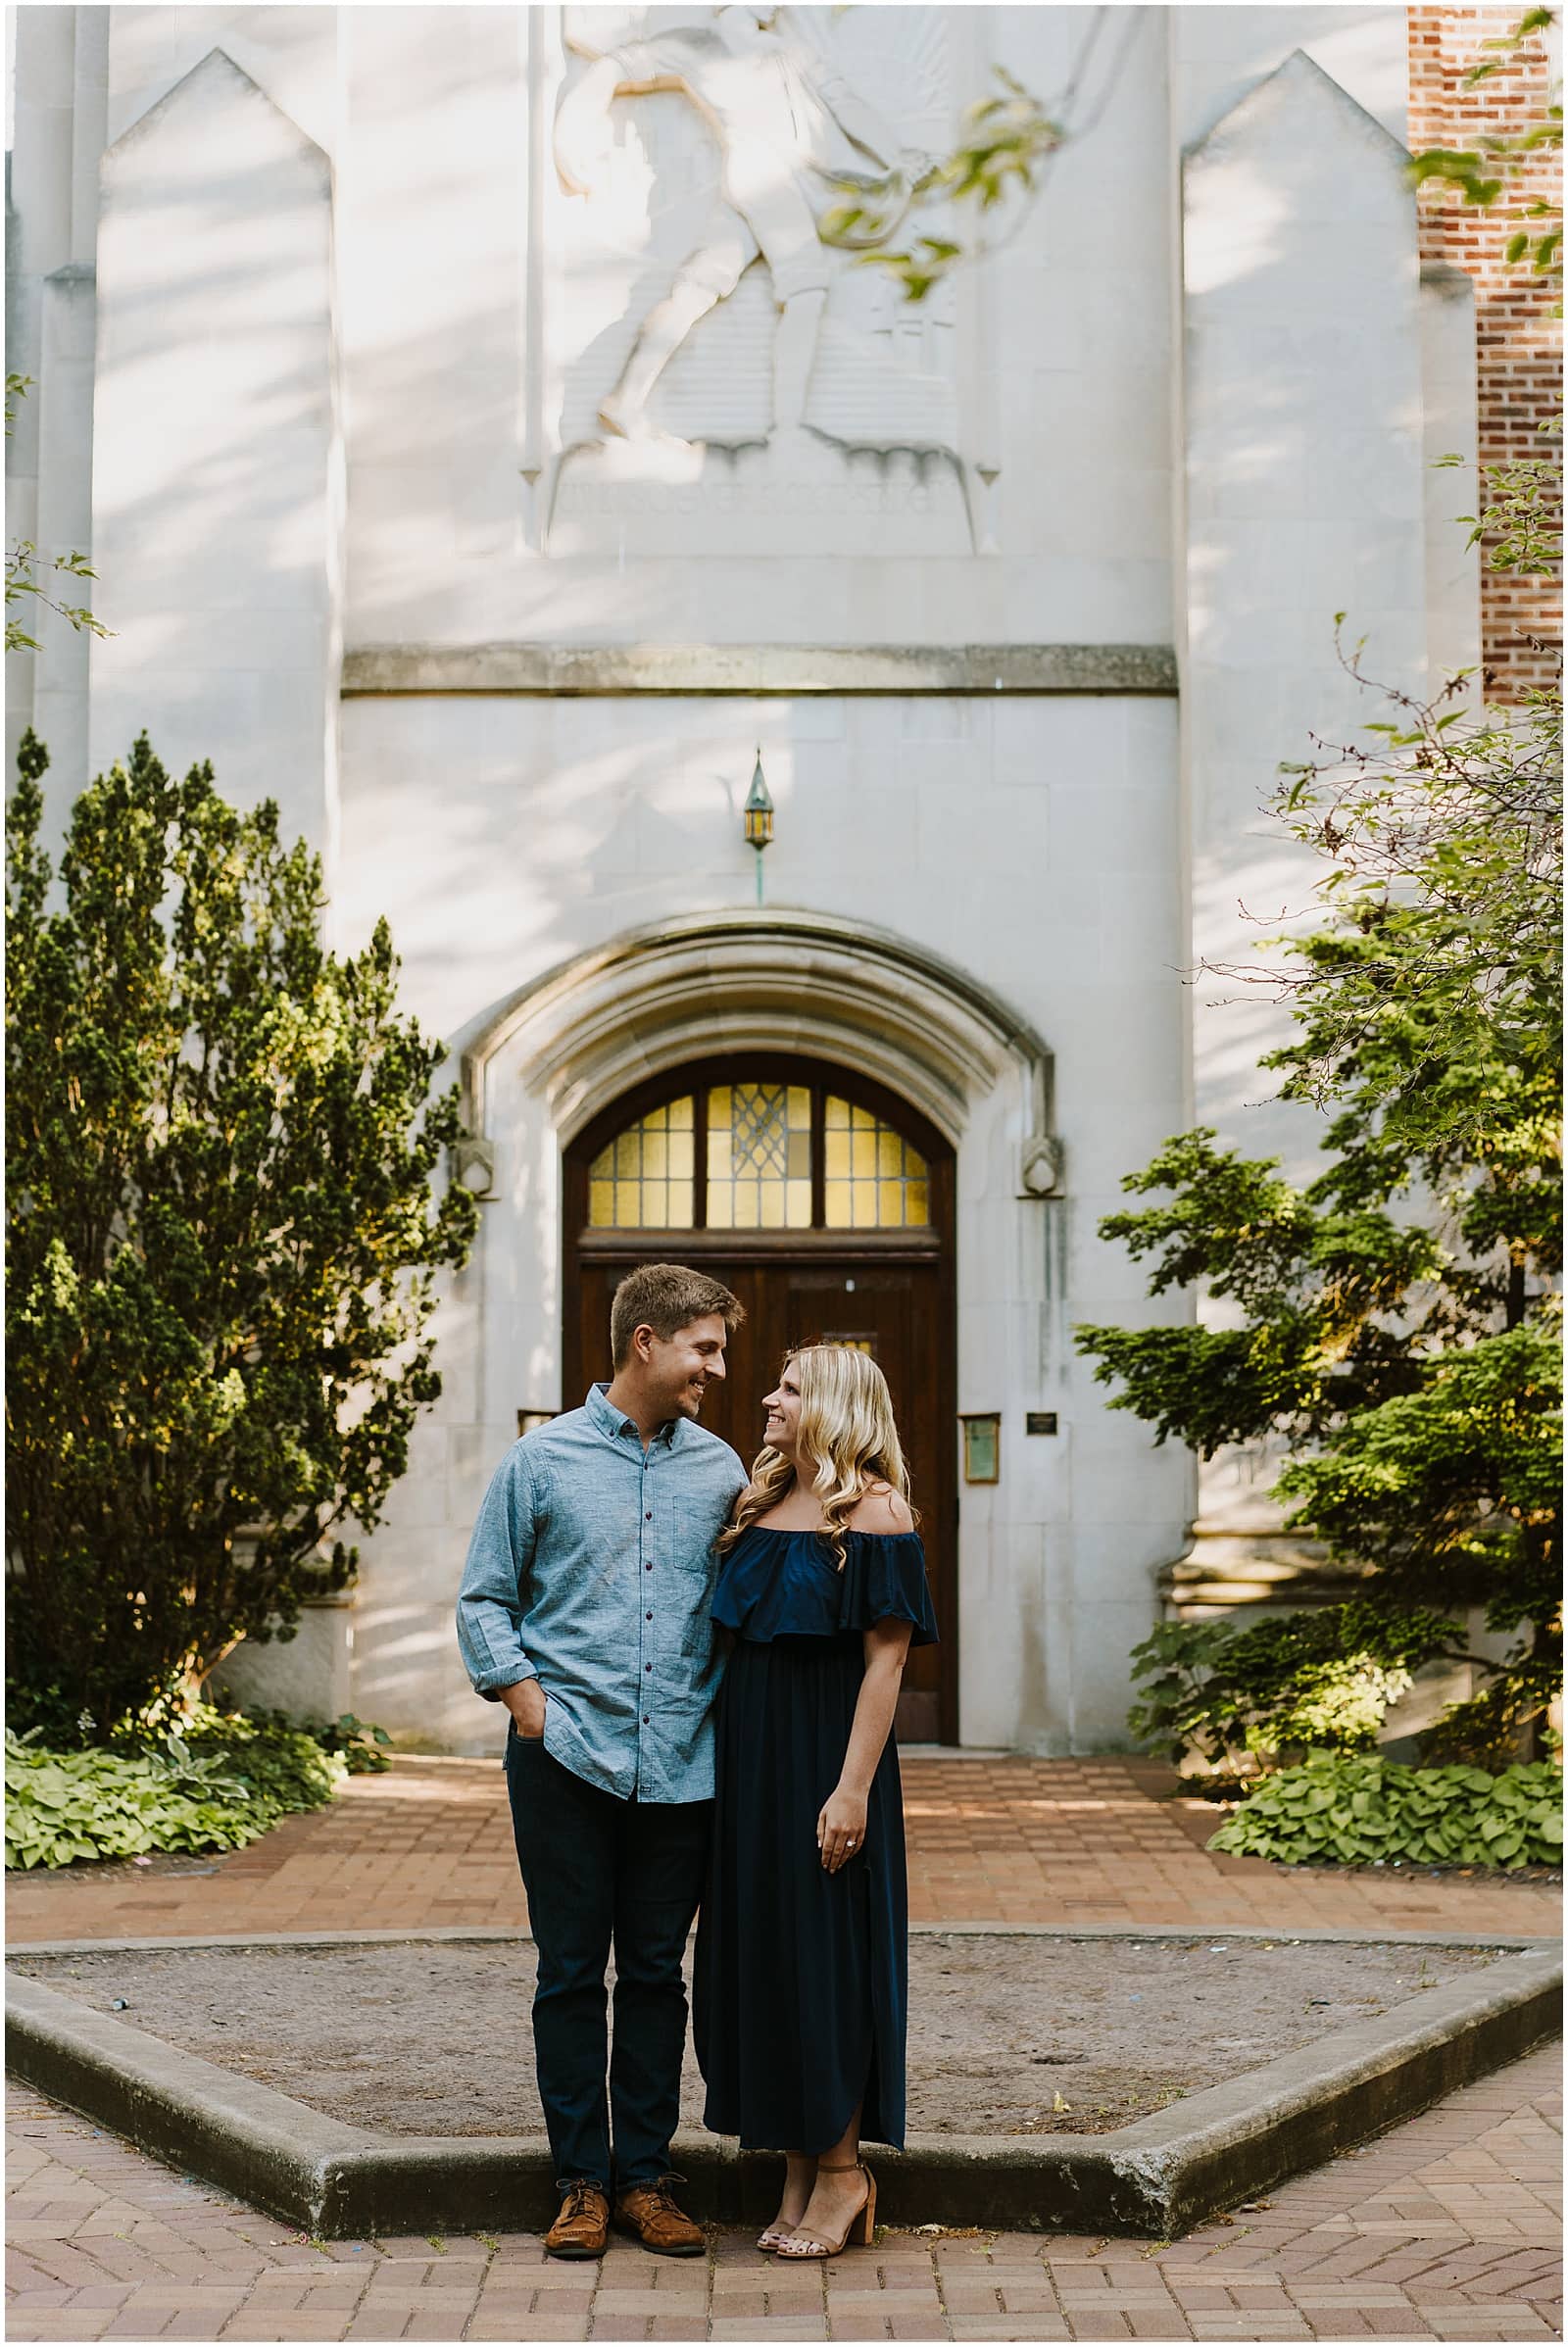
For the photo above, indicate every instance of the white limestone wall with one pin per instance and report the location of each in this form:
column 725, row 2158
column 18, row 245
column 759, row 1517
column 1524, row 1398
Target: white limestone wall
column 1302, row 400
column 478, row 294
column 1304, row 491
column 218, row 462
column 1451, row 430
column 343, row 314
column 1030, row 840
column 61, row 87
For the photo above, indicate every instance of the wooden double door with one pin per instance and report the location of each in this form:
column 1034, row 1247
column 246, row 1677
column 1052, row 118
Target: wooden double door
column 887, row 1290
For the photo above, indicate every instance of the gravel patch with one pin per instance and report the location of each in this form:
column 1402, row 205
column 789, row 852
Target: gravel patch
column 1008, row 2037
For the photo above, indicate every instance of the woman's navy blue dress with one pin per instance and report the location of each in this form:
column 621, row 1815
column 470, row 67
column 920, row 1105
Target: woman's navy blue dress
column 801, row 1977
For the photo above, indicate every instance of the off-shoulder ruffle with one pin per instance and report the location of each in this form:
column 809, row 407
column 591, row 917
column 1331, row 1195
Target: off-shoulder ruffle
column 776, row 1584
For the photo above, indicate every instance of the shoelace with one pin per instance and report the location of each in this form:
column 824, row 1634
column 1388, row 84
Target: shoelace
column 579, row 2198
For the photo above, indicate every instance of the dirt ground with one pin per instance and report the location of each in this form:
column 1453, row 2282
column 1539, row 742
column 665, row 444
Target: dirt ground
column 1007, row 2035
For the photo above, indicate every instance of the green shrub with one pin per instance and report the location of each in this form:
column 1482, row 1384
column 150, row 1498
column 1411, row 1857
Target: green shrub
column 227, row 1219
column 1315, row 1679
column 215, row 1788
column 1494, row 1727
column 1352, row 1809
column 365, row 1749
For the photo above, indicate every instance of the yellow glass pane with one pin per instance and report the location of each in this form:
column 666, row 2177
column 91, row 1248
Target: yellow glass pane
column 770, row 1205
column 798, row 1206
column 916, row 1203
column 799, row 1105
column 863, row 1217
column 890, row 1202
column 888, row 1151
column 628, row 1183
column 798, row 1155
column 836, row 1155
column 719, row 1105
column 720, row 1207
column 864, row 1155
column 717, row 1155
column 836, row 1204
column 835, row 1115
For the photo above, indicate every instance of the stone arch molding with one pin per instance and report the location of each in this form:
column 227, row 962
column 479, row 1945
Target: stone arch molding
column 587, row 1031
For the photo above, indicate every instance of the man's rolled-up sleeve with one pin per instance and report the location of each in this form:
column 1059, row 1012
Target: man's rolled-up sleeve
column 490, row 1601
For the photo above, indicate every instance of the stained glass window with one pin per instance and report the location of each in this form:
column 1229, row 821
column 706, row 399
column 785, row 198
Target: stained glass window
column 646, row 1179
column 759, row 1157
column 873, row 1178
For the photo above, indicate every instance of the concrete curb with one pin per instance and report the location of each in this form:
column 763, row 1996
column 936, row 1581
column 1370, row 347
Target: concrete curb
column 1157, row 2177
column 517, row 1936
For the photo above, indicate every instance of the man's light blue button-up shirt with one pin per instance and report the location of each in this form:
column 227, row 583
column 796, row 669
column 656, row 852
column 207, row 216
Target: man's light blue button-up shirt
column 592, row 1569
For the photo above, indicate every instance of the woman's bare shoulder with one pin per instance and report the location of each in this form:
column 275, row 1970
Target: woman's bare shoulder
column 879, row 1508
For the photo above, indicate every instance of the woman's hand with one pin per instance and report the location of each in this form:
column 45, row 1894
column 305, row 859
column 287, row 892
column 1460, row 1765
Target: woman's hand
column 841, row 1827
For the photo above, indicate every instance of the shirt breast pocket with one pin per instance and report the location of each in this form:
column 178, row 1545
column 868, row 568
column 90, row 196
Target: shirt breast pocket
column 692, row 1574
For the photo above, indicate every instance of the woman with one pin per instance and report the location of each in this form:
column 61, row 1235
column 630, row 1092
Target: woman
column 801, row 1978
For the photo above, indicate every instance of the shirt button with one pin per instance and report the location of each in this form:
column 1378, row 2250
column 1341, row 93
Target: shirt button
column 647, row 1721
column 647, row 1568
column 648, row 1617
column 649, row 1517
column 648, row 1666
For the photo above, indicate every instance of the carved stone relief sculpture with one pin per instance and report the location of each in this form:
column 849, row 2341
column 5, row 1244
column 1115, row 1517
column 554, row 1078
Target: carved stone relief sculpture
column 751, row 364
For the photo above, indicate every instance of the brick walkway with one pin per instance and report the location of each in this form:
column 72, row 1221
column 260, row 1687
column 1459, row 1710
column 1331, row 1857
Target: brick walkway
column 1011, row 1840
column 1445, row 2229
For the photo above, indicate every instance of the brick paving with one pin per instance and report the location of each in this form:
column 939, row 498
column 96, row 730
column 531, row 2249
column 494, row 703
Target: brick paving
column 1010, row 1840
column 1444, row 2228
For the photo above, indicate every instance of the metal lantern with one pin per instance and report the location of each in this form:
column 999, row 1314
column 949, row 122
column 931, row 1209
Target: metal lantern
column 757, row 817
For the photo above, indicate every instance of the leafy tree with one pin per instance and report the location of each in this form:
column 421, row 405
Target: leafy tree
column 1301, row 1682
column 222, row 1234
column 1396, row 1321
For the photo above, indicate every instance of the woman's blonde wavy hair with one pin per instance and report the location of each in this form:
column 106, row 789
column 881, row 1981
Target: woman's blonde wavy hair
column 847, row 1434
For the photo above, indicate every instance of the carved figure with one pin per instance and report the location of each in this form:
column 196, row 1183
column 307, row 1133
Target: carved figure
column 769, row 101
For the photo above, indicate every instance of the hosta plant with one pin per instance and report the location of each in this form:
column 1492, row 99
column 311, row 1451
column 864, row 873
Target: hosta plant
column 1352, row 1809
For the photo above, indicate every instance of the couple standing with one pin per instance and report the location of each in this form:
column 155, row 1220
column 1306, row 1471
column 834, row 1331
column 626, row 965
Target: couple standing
column 618, row 1550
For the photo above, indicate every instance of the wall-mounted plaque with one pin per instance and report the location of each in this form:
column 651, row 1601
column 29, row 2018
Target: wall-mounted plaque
column 1040, row 1422
column 982, row 1446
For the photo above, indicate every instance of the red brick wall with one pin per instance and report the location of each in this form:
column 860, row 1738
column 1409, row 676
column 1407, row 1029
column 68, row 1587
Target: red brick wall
column 1519, row 353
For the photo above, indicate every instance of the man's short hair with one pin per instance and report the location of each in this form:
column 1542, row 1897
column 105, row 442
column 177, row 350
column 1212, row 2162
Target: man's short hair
column 667, row 1297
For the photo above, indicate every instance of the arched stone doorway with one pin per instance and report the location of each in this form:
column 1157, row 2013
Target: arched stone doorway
column 559, row 1069
column 826, row 1202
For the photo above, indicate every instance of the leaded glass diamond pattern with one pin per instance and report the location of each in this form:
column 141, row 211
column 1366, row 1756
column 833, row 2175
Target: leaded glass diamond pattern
column 757, row 1166
column 759, row 1157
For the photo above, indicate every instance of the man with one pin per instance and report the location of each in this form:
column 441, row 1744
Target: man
column 769, row 101
column 584, row 1610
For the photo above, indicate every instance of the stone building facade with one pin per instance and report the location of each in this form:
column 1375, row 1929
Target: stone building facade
column 483, row 455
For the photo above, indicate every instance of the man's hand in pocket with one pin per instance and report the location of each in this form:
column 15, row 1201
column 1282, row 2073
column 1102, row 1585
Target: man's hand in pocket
column 525, row 1700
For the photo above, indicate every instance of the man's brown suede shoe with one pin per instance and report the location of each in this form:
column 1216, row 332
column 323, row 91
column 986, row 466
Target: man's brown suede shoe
column 650, row 2211
column 582, row 2230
